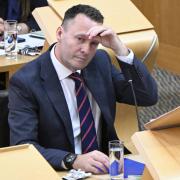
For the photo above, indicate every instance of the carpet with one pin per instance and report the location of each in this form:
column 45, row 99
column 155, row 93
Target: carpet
column 168, row 92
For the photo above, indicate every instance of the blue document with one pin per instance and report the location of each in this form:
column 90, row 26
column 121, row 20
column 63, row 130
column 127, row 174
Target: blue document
column 132, row 167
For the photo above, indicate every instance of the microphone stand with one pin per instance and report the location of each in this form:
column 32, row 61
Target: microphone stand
column 135, row 102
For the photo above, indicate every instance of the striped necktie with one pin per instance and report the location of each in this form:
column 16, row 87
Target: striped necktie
column 88, row 132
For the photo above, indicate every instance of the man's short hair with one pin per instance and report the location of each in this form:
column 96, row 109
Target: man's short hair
column 87, row 10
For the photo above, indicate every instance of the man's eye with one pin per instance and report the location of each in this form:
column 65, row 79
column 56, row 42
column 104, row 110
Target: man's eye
column 94, row 44
column 80, row 39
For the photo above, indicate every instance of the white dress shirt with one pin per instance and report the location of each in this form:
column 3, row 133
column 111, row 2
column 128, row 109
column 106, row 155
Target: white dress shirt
column 68, row 86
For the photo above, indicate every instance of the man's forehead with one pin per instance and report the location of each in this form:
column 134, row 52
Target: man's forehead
column 82, row 34
column 80, row 19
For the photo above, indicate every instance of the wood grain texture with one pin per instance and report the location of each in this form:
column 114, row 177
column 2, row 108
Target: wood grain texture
column 160, row 151
column 164, row 15
column 24, row 162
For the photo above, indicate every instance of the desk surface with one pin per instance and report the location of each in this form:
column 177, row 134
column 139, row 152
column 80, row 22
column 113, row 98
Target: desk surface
column 129, row 18
column 6, row 64
column 160, row 150
column 106, row 176
column 10, row 66
column 93, row 177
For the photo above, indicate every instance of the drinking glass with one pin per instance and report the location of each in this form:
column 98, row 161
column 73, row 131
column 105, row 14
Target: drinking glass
column 10, row 38
column 116, row 158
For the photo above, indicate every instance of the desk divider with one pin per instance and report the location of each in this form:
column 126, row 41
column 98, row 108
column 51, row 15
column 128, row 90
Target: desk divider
column 24, row 162
column 160, row 148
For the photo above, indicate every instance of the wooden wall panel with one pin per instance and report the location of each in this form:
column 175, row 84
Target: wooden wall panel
column 164, row 15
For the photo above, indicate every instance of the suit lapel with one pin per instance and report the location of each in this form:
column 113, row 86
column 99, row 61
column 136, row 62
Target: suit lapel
column 54, row 90
column 95, row 84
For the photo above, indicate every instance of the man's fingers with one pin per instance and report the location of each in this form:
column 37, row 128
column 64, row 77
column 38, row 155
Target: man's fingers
column 95, row 162
column 106, row 33
column 101, row 168
column 96, row 31
column 94, row 170
column 101, row 161
column 99, row 156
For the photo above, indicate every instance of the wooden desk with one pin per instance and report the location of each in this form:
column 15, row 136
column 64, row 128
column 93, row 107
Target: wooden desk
column 93, row 177
column 10, row 66
column 106, row 176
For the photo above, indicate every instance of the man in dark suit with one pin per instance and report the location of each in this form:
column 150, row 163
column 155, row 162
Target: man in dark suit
column 43, row 95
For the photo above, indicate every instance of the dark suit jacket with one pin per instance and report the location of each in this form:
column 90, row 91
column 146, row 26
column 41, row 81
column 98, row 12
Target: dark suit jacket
column 39, row 112
column 33, row 4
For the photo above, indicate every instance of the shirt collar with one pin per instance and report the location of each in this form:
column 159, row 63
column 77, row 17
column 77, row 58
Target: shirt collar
column 62, row 71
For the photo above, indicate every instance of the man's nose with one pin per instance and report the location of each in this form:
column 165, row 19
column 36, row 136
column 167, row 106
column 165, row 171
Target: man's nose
column 85, row 48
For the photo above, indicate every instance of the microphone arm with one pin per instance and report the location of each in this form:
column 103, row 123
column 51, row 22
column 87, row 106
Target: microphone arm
column 153, row 43
column 135, row 102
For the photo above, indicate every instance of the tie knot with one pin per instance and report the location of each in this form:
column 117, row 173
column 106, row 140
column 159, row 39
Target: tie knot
column 76, row 76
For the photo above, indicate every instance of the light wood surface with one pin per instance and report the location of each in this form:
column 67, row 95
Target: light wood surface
column 10, row 66
column 169, row 119
column 120, row 15
column 146, row 175
column 160, row 149
column 48, row 27
column 24, row 162
column 169, row 57
column 164, row 15
column 140, row 42
column 93, row 177
column 106, row 176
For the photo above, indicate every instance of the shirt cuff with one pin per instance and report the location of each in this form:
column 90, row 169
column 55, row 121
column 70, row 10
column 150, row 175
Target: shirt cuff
column 127, row 59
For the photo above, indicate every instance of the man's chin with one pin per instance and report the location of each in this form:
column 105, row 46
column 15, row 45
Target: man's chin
column 80, row 66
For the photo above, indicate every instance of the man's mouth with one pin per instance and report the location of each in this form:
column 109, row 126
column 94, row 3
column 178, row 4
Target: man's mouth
column 81, row 58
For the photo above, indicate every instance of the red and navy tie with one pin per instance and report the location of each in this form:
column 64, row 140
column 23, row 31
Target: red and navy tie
column 88, row 132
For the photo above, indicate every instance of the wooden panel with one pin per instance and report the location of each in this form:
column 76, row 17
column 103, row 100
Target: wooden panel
column 11, row 66
column 48, row 27
column 106, row 176
column 146, row 175
column 169, row 119
column 93, row 177
column 120, row 15
column 152, row 145
column 169, row 57
column 126, row 125
column 164, row 15
column 24, row 162
column 140, row 42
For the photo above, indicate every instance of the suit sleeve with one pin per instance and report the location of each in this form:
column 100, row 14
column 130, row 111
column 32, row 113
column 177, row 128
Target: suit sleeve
column 143, row 83
column 23, row 121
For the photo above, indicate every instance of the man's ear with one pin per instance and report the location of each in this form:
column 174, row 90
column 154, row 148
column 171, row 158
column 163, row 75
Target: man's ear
column 59, row 33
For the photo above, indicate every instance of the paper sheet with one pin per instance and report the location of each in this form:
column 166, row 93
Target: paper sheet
column 30, row 41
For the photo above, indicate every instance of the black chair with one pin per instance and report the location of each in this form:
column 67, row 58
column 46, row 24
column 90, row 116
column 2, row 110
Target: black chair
column 2, row 81
column 4, row 127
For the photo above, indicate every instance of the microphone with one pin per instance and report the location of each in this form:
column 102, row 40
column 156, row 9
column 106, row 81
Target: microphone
column 130, row 81
column 135, row 102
